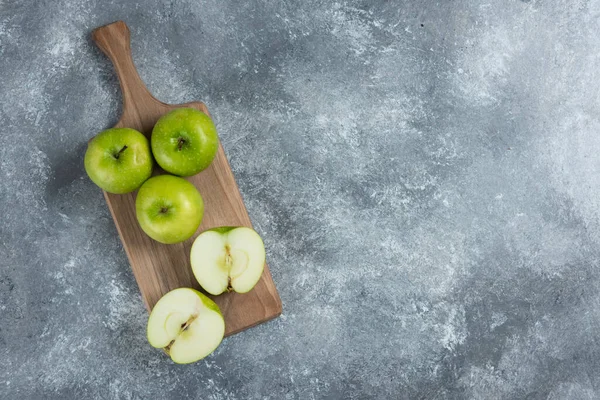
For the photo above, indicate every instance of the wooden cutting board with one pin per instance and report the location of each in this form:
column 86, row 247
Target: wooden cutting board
column 159, row 268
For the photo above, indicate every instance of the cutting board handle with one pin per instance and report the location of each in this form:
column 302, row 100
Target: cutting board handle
column 113, row 40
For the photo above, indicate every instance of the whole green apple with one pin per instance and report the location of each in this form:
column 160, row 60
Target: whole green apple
column 169, row 209
column 184, row 141
column 119, row 160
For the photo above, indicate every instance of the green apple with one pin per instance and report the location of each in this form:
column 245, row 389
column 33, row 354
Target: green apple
column 169, row 209
column 186, row 324
column 184, row 141
column 118, row 160
column 228, row 258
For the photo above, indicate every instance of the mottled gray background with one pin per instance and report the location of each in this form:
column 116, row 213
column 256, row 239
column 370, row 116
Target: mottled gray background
column 425, row 176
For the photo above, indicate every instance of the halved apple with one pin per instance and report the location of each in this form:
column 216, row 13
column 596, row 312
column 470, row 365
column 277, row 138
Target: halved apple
column 228, row 258
column 186, row 324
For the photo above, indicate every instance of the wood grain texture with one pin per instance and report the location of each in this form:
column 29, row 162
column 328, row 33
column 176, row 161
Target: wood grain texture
column 159, row 268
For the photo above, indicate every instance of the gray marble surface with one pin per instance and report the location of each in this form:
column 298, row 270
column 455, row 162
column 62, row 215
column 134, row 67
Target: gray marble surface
column 425, row 176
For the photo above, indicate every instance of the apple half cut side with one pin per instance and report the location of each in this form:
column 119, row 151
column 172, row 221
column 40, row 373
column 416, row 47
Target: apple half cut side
column 186, row 324
column 228, row 258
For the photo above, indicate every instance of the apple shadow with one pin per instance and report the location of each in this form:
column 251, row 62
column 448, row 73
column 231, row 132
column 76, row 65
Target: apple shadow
column 65, row 169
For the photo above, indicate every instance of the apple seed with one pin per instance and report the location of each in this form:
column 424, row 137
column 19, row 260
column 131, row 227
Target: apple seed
column 184, row 327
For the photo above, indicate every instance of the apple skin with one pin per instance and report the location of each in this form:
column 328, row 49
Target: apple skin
column 169, row 209
column 184, row 141
column 119, row 160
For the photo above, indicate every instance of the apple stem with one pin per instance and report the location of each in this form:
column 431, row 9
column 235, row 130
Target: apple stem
column 180, row 143
column 120, row 151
